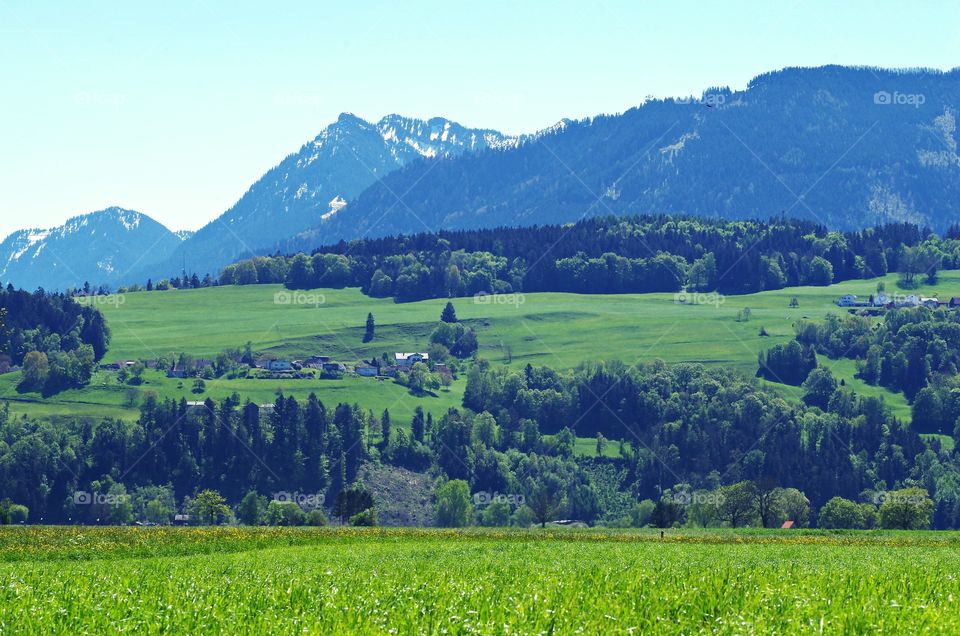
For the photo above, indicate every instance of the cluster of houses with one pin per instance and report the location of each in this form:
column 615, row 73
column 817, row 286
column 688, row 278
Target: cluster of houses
column 283, row 368
column 401, row 362
column 279, row 367
column 882, row 300
column 265, row 409
column 199, row 366
column 176, row 371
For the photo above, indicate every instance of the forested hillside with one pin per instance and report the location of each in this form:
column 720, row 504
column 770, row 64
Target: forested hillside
column 687, row 430
column 912, row 350
column 606, row 255
column 315, row 182
column 54, row 338
column 844, row 146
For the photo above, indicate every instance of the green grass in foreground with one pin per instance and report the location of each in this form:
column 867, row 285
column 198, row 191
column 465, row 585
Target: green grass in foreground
column 104, row 580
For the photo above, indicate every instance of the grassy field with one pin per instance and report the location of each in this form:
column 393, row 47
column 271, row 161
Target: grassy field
column 105, row 396
column 559, row 330
column 194, row 580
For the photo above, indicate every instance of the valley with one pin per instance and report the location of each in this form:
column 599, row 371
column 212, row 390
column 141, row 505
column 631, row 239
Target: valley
column 559, row 330
column 480, row 318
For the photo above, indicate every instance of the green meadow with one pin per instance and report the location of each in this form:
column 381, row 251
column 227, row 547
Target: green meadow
column 75, row 580
column 105, row 396
column 555, row 329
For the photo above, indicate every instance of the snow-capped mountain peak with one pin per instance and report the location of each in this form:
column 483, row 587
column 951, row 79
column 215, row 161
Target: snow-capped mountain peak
column 313, row 184
column 94, row 247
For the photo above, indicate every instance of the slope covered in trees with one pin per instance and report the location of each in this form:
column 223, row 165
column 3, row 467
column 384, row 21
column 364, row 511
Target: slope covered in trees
column 912, row 350
column 601, row 255
column 843, row 146
column 54, row 338
column 690, row 430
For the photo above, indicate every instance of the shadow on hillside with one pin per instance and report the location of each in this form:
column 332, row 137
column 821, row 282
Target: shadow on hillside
column 417, row 392
column 44, row 392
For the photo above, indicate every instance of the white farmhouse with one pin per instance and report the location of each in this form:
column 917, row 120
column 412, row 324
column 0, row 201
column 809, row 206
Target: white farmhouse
column 911, row 300
column 409, row 359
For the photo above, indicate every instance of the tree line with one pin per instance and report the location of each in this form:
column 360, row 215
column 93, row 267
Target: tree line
column 915, row 351
column 605, row 255
column 55, row 339
column 685, row 431
column 706, row 427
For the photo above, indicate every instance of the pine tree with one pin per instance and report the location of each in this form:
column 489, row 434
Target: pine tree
column 449, row 313
column 371, row 327
column 385, row 426
column 418, row 425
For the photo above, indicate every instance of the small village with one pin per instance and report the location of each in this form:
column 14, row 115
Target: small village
column 881, row 300
column 272, row 368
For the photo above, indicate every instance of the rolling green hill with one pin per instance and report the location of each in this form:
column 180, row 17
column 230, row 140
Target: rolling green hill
column 554, row 329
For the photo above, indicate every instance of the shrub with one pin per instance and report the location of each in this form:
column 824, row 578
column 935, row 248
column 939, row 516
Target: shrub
column 366, row 518
column 453, row 507
column 841, row 513
column 316, row 517
column 285, row 513
column 907, row 509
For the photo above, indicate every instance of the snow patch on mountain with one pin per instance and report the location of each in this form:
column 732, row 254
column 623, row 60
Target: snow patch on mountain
column 30, row 238
column 92, row 247
column 337, row 204
column 344, row 159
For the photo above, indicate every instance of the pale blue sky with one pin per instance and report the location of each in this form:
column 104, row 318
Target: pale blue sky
column 175, row 108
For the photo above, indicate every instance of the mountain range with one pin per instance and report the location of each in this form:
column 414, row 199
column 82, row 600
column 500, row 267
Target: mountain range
column 316, row 182
column 846, row 147
column 100, row 248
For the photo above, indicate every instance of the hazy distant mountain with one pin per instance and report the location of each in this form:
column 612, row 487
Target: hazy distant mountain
column 849, row 147
column 319, row 180
column 100, row 248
